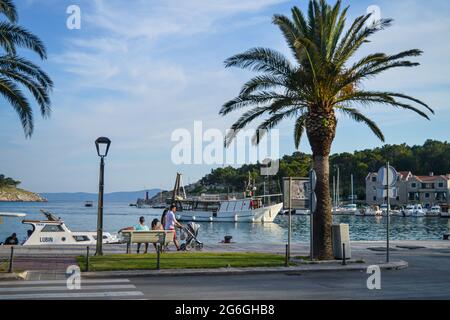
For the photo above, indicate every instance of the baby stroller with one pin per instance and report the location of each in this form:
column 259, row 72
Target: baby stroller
column 190, row 236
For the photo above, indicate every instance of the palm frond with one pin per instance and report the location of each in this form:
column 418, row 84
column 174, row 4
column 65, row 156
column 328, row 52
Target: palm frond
column 8, row 9
column 12, row 36
column 10, row 91
column 359, row 117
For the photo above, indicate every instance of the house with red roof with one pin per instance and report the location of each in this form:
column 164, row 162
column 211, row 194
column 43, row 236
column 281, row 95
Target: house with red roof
column 412, row 189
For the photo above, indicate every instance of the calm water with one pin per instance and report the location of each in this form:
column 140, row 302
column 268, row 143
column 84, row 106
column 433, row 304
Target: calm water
column 119, row 215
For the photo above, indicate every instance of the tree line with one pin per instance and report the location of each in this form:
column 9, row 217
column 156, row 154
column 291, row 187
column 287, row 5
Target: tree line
column 432, row 156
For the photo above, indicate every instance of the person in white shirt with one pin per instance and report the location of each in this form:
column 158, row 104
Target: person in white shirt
column 171, row 222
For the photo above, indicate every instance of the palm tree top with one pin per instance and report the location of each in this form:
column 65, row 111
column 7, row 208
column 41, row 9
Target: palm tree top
column 320, row 80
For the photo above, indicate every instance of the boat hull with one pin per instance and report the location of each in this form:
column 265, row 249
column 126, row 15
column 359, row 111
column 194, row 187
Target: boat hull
column 260, row 215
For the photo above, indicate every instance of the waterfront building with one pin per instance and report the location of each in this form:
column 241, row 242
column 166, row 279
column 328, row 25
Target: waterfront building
column 411, row 189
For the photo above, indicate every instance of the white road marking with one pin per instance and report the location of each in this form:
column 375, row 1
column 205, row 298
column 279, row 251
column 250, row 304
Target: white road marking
column 61, row 288
column 44, row 282
column 74, row 295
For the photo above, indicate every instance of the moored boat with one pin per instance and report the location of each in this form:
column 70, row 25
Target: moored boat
column 53, row 231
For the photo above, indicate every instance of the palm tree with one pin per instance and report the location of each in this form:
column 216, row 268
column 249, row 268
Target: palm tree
column 17, row 73
column 320, row 84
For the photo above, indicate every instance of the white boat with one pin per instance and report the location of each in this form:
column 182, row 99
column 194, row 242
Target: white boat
column 349, row 209
column 435, row 211
column 54, row 231
column 384, row 210
column 369, row 211
column 445, row 214
column 12, row 215
column 408, row 211
column 210, row 208
column 242, row 210
column 418, row 211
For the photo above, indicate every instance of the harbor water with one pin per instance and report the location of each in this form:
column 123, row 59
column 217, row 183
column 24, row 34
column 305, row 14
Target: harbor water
column 120, row 215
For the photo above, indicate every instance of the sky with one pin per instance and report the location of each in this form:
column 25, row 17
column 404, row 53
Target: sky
column 138, row 70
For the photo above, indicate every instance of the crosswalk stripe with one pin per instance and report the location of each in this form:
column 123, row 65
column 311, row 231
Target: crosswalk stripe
column 68, row 295
column 61, row 288
column 45, row 282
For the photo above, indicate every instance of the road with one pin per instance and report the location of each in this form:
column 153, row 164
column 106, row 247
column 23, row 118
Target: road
column 428, row 277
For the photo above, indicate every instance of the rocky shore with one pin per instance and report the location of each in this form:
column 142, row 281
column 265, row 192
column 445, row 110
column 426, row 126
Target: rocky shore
column 11, row 194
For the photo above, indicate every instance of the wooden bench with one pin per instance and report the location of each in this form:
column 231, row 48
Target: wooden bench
column 160, row 238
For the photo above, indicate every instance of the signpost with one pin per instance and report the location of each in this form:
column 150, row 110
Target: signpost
column 312, row 209
column 387, row 178
column 297, row 195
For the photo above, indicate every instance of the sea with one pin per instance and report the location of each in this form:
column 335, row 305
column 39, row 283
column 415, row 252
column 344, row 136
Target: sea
column 119, row 215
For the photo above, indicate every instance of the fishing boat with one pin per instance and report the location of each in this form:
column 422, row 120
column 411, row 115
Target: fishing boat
column 89, row 204
column 211, row 208
column 53, row 231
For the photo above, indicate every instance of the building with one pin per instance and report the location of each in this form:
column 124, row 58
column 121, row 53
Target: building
column 411, row 189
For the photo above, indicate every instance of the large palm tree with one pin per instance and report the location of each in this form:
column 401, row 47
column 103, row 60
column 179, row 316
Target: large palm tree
column 319, row 84
column 17, row 73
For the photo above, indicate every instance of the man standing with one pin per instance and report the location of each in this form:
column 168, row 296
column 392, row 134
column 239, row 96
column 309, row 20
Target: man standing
column 171, row 222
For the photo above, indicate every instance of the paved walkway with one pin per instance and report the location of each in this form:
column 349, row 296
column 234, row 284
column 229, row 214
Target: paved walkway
column 59, row 258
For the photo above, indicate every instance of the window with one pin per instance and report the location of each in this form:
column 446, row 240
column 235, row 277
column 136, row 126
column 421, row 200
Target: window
column 374, row 198
column 413, row 185
column 441, row 184
column 374, row 179
column 81, row 238
column 427, row 195
column 52, row 228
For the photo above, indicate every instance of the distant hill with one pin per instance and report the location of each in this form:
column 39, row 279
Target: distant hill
column 130, row 196
column 13, row 194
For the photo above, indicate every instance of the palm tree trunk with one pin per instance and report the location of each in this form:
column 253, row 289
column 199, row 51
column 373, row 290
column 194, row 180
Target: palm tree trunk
column 323, row 217
column 321, row 130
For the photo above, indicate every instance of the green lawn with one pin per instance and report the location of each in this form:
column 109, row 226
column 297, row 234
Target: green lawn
column 185, row 260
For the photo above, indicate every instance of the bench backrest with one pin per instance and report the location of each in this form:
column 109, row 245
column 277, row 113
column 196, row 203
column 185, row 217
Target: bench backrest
column 153, row 236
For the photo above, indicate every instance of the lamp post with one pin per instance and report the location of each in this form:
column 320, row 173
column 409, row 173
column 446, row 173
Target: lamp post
column 102, row 145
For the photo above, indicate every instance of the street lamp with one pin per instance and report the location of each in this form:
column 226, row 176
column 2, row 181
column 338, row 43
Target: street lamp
column 102, row 144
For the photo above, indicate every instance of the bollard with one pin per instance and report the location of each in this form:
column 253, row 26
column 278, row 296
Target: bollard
column 286, row 257
column 158, row 256
column 344, row 262
column 87, row 259
column 11, row 258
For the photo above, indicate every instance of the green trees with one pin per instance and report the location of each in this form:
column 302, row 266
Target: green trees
column 8, row 182
column 320, row 83
column 17, row 73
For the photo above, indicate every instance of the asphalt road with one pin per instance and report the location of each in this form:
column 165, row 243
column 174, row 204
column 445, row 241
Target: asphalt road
column 428, row 277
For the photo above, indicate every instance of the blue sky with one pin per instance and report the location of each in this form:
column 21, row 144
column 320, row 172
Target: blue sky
column 139, row 69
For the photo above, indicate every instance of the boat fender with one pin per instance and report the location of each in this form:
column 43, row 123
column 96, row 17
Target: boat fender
column 211, row 219
column 235, row 218
column 193, row 218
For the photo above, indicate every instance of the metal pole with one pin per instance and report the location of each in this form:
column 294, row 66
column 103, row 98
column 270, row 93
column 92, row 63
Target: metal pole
column 311, row 217
column 286, row 257
column 290, row 218
column 387, row 213
column 337, row 187
column 11, row 258
column 99, row 248
column 344, row 262
column 87, row 259
column 334, row 191
column 352, row 188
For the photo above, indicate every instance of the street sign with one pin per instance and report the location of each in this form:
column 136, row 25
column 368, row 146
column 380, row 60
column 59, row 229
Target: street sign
column 313, row 202
column 312, row 188
column 387, row 176
column 297, row 194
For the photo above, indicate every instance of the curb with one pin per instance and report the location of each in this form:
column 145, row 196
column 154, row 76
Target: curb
column 13, row 276
column 397, row 265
